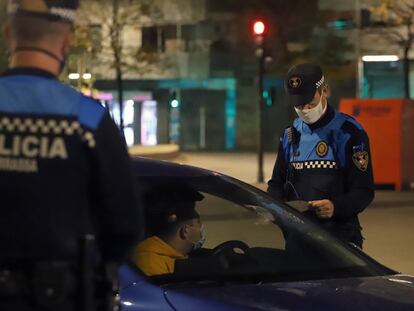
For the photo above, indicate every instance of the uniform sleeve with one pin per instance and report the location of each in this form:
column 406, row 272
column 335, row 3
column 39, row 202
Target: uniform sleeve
column 276, row 183
column 359, row 178
column 119, row 210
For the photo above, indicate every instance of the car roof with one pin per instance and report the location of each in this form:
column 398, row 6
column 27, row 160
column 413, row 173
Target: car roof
column 144, row 167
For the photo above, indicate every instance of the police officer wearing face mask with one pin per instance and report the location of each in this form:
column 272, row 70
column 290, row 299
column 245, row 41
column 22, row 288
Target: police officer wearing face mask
column 65, row 177
column 323, row 158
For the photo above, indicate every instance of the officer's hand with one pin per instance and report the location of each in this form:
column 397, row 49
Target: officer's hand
column 323, row 208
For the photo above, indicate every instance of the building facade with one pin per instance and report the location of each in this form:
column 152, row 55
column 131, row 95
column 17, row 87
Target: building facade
column 192, row 78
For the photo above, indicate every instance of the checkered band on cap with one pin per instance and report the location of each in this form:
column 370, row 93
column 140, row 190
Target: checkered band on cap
column 63, row 13
column 320, row 82
column 42, row 9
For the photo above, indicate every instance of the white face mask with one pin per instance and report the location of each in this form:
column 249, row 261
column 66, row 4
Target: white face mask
column 310, row 116
column 199, row 243
column 203, row 237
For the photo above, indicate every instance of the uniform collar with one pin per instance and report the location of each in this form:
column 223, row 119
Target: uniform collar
column 30, row 71
column 324, row 120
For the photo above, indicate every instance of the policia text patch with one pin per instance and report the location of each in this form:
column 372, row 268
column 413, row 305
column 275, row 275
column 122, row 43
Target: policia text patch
column 24, row 141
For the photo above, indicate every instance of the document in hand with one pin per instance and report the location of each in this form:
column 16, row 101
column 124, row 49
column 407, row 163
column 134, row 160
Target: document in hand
column 299, row 205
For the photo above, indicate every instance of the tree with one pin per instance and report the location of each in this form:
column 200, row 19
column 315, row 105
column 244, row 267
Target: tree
column 327, row 48
column 112, row 51
column 395, row 23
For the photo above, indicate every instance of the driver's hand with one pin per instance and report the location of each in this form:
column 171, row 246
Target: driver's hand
column 323, row 208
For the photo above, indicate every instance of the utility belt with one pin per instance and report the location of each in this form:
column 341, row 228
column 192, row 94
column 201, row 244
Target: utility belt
column 46, row 285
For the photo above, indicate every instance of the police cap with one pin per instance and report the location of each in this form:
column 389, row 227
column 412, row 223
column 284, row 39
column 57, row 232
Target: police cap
column 53, row 10
column 301, row 83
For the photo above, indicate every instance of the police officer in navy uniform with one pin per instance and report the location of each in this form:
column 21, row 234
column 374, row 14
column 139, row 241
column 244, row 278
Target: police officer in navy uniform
column 323, row 158
column 65, row 173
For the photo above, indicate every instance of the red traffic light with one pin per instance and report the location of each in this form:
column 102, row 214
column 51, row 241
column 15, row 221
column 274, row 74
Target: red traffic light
column 259, row 28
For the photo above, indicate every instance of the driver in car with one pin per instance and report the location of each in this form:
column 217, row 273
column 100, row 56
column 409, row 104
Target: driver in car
column 175, row 230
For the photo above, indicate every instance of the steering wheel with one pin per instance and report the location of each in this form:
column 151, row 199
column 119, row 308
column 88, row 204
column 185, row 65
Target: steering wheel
column 228, row 258
column 228, row 247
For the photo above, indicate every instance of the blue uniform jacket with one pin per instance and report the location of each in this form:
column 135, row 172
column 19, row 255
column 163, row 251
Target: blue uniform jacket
column 326, row 160
column 64, row 172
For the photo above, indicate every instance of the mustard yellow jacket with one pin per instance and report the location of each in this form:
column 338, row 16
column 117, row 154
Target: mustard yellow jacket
column 153, row 256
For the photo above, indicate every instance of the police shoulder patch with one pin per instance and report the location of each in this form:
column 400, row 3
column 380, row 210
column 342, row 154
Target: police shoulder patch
column 322, row 149
column 361, row 160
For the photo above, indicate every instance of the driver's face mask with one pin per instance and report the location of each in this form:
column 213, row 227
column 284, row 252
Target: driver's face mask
column 199, row 243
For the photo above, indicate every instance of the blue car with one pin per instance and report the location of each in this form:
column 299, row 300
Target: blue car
column 286, row 262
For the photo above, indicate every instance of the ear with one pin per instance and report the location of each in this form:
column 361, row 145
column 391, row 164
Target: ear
column 327, row 90
column 184, row 232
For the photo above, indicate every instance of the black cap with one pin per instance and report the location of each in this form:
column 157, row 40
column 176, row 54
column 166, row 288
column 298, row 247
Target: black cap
column 166, row 205
column 54, row 10
column 301, row 83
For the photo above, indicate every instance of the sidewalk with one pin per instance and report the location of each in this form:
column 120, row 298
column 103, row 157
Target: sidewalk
column 159, row 152
column 393, row 198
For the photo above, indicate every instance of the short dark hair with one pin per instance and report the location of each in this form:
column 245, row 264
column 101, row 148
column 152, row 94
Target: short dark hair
column 34, row 29
column 168, row 207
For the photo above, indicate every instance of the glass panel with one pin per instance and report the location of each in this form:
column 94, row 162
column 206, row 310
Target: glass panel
column 225, row 220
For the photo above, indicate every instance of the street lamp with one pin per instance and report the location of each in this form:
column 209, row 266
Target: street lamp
column 87, row 76
column 74, row 76
column 373, row 59
column 77, row 76
column 380, row 58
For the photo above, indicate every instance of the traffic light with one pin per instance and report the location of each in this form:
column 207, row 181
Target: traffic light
column 174, row 102
column 259, row 30
column 269, row 96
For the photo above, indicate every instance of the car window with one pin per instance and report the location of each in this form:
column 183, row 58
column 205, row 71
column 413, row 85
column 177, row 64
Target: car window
column 225, row 220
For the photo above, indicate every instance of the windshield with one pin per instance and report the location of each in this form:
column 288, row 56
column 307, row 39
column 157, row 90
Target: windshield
column 261, row 239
